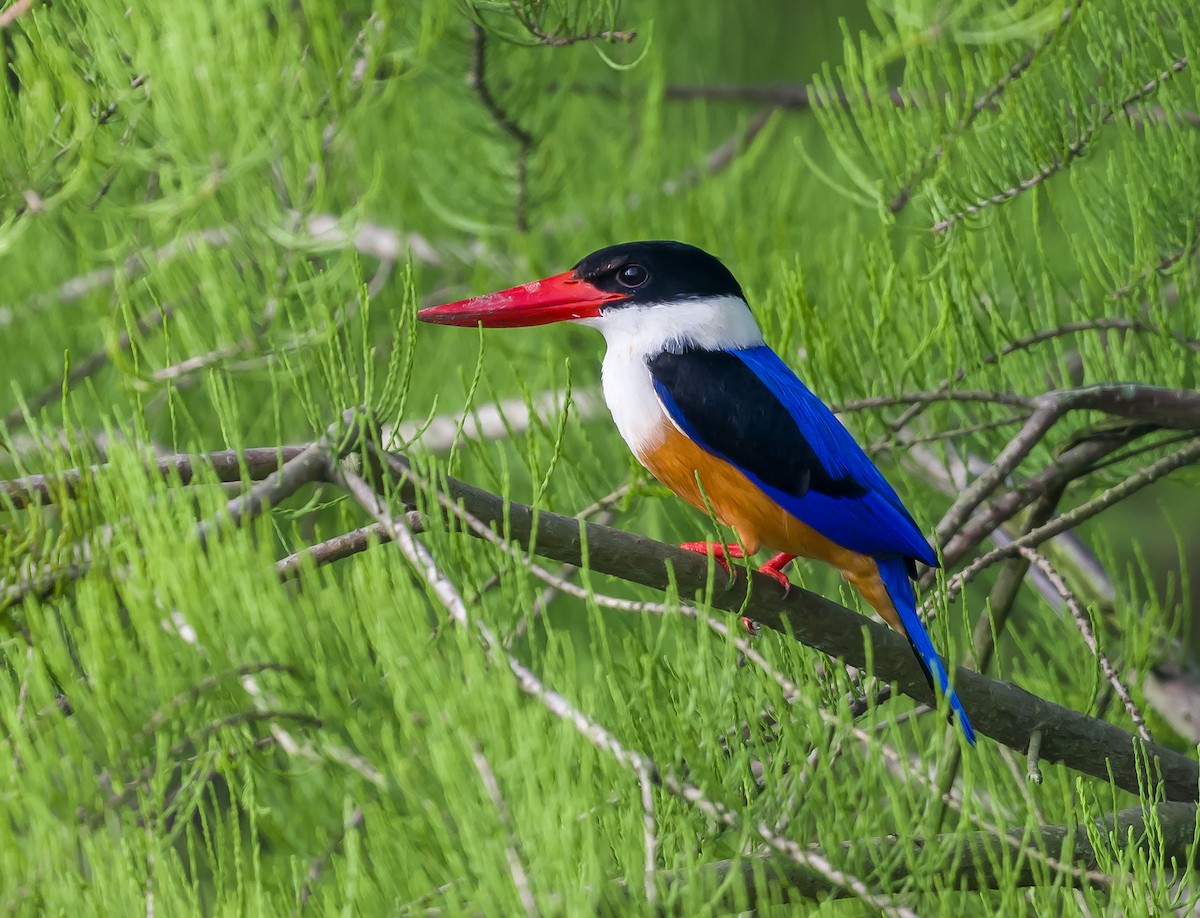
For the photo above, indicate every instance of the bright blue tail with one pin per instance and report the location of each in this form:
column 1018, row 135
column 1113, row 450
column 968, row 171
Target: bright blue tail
column 894, row 574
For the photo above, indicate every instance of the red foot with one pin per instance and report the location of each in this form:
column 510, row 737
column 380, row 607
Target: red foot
column 721, row 551
column 774, row 568
column 750, row 625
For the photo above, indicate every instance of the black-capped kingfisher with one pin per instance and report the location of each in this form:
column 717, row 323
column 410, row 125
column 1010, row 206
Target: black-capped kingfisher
column 715, row 415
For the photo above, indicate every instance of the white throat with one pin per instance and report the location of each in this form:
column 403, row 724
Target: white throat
column 634, row 334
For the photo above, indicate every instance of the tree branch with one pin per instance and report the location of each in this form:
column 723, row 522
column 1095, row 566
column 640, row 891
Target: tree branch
column 230, row 465
column 1000, row 710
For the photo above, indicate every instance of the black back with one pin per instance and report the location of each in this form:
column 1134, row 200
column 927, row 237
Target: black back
column 675, row 271
column 727, row 409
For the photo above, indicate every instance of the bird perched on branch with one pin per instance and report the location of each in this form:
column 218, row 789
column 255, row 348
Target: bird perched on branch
column 717, row 417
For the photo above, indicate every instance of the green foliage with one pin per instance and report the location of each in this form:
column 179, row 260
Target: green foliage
column 234, row 209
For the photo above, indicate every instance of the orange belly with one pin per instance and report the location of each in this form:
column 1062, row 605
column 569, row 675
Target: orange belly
column 759, row 521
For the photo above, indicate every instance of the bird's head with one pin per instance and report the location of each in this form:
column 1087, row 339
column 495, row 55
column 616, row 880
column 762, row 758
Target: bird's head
column 668, row 290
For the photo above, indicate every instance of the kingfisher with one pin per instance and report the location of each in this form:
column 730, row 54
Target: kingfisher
column 714, row 414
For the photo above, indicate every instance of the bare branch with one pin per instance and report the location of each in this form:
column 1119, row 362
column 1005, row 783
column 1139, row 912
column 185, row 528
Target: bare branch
column 1039, row 337
column 312, row 464
column 339, row 547
column 309, row 464
column 1186, row 455
column 525, row 17
column 231, row 465
column 631, row 759
column 1069, row 465
column 1014, row 451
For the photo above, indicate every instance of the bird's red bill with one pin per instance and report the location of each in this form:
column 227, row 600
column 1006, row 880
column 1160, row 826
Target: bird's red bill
column 554, row 299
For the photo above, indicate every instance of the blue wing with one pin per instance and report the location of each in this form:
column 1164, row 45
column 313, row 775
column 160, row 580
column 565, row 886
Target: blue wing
column 842, row 495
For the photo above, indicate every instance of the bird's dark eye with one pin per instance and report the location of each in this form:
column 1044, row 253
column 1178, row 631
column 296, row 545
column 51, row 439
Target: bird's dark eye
column 632, row 276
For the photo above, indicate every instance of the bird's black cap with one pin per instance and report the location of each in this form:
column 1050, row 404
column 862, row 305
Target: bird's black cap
column 657, row 271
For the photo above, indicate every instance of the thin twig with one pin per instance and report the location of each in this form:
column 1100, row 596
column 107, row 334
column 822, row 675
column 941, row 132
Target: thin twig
column 207, row 684
column 972, row 861
column 793, row 96
column 316, row 231
column 1008, row 585
column 512, row 845
column 478, row 82
column 649, row 836
column 1039, row 337
column 1089, row 637
column 1164, row 264
column 723, row 155
column 601, row 512
column 85, row 368
column 1073, row 463
column 312, row 464
column 561, row 41
column 1188, row 455
column 338, row 548
column 1074, row 150
column 885, row 444
column 229, row 465
column 985, row 101
column 926, row 398
column 483, row 531
column 1036, row 427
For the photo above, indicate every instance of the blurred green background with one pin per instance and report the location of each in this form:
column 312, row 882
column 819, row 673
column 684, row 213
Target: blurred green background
column 216, row 223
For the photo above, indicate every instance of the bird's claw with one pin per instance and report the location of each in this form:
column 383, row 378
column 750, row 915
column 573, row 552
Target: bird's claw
column 777, row 575
column 721, row 553
column 774, row 568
